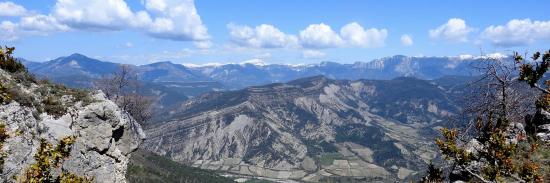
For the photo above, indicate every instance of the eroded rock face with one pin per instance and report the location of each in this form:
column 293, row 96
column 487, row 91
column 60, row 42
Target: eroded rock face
column 105, row 136
column 308, row 129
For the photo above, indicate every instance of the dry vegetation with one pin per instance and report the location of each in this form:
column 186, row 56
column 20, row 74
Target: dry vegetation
column 495, row 146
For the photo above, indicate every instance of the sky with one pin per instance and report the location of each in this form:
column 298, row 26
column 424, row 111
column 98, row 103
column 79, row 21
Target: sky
column 271, row 31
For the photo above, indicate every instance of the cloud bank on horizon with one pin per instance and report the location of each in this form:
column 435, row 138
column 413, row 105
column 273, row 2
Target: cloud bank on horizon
column 179, row 21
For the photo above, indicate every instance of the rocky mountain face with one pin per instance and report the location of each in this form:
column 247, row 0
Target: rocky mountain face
column 310, row 129
column 70, row 132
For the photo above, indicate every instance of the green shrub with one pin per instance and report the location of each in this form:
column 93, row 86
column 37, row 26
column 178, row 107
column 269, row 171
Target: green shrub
column 4, row 95
column 48, row 158
column 8, row 63
column 73, row 178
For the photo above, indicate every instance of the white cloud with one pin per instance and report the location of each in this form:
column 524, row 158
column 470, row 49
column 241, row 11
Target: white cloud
column 406, row 40
column 319, row 36
column 356, row 35
column 41, row 24
column 158, row 5
column 517, row 32
column 262, row 36
column 167, row 19
column 455, row 30
column 203, row 44
column 30, row 25
column 8, row 31
column 11, row 9
column 313, row 54
column 94, row 15
column 176, row 20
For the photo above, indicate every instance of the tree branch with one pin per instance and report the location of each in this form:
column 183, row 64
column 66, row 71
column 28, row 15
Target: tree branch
column 478, row 176
column 545, row 91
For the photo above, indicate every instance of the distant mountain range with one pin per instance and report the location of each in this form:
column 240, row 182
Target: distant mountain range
column 176, row 82
column 312, row 129
column 236, row 76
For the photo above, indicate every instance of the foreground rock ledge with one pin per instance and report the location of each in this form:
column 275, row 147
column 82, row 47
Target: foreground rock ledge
column 105, row 137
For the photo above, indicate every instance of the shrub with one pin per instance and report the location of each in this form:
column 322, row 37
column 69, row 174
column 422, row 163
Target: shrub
column 21, row 97
column 80, row 95
column 8, row 63
column 4, row 95
column 24, row 78
column 434, row 174
column 48, row 158
column 53, row 106
column 497, row 157
column 3, row 137
column 66, row 177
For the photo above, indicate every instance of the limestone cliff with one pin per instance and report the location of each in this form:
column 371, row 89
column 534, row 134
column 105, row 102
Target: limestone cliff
column 33, row 113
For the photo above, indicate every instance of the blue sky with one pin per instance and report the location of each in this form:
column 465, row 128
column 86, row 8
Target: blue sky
column 282, row 31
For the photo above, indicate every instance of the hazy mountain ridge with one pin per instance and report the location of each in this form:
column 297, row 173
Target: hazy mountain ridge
column 237, row 76
column 175, row 83
column 247, row 74
column 308, row 129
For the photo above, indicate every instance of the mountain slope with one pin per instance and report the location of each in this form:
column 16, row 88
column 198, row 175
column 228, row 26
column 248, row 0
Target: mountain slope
column 168, row 72
column 308, row 129
column 147, row 167
column 74, row 65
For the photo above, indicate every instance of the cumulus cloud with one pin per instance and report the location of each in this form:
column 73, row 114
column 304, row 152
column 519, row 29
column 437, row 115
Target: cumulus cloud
column 176, row 20
column 406, row 40
column 320, row 36
column 8, row 31
column 93, row 15
column 355, row 35
column 158, row 5
column 11, row 9
column 313, row 54
column 30, row 25
column 455, row 30
column 517, row 32
column 41, row 24
column 314, row 36
column 165, row 19
column 262, row 36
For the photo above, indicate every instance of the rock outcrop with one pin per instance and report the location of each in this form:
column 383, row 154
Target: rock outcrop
column 539, row 125
column 104, row 134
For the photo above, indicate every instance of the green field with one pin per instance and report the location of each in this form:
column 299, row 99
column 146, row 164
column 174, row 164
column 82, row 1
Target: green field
column 326, row 159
